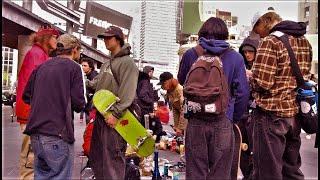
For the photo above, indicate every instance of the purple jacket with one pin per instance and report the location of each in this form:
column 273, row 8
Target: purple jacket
column 234, row 69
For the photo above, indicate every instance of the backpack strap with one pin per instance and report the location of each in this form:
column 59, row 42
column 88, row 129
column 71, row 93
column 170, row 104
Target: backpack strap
column 113, row 74
column 284, row 38
column 199, row 50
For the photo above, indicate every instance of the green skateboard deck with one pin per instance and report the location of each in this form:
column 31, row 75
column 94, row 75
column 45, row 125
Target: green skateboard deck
column 127, row 126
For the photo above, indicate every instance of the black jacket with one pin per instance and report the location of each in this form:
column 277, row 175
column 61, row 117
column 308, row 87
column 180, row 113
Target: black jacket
column 90, row 91
column 54, row 90
column 248, row 42
column 146, row 94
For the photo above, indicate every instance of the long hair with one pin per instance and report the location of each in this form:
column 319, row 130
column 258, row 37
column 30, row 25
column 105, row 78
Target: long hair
column 269, row 19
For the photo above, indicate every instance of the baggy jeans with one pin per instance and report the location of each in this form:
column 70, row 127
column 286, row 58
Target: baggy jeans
column 276, row 145
column 107, row 151
column 209, row 148
column 53, row 157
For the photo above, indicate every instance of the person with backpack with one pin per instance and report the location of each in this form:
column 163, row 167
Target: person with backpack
column 120, row 76
column 248, row 50
column 175, row 98
column 276, row 133
column 216, row 92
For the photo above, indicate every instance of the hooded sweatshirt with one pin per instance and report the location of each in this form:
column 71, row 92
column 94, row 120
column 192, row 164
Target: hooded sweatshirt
column 121, row 80
column 234, row 69
column 273, row 83
column 146, row 94
column 254, row 43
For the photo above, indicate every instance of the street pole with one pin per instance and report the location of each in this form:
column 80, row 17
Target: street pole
column 70, row 5
column 27, row 4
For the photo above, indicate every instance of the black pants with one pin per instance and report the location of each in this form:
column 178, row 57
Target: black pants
column 276, row 145
column 107, row 151
column 246, row 159
column 209, row 148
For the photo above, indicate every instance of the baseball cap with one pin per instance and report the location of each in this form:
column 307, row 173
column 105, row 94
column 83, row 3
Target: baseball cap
column 47, row 29
column 112, row 31
column 164, row 76
column 68, row 41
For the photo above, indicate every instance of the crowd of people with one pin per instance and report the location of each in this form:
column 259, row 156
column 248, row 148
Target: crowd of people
column 53, row 83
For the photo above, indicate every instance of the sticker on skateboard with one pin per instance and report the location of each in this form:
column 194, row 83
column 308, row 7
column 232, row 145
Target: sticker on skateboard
column 127, row 126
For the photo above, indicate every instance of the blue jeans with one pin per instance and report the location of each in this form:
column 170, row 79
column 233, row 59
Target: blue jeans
column 53, row 157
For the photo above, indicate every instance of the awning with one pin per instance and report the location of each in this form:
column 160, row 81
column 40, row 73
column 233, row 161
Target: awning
column 18, row 21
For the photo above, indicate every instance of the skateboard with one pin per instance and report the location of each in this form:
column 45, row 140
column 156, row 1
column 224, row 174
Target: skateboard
column 127, row 126
column 237, row 149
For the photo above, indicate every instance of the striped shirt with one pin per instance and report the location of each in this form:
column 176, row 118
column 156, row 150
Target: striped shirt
column 273, row 82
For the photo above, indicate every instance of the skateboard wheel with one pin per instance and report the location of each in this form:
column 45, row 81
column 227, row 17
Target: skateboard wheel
column 244, row 146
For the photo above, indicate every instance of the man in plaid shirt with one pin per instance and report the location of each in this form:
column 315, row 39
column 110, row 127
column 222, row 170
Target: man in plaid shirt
column 276, row 134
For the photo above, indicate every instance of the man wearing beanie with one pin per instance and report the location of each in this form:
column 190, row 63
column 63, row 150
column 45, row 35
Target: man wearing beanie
column 55, row 89
column 276, row 133
column 120, row 76
column 44, row 41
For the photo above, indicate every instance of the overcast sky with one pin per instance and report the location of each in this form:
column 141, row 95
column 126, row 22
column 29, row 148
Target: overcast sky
column 245, row 10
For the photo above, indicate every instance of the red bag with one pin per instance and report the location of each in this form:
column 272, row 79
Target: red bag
column 163, row 114
column 88, row 133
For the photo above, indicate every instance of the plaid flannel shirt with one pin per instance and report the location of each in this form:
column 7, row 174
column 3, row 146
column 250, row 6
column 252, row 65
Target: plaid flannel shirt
column 273, row 82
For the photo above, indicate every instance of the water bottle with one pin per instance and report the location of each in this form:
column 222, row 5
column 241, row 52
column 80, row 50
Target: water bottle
column 156, row 172
column 146, row 121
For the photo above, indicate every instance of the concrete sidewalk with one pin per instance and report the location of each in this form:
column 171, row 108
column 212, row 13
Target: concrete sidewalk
column 11, row 144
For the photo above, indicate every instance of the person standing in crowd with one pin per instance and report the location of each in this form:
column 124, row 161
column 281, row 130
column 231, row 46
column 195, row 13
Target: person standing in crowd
column 175, row 97
column 44, row 41
column 276, row 133
column 55, row 89
column 147, row 96
column 120, row 76
column 248, row 50
column 199, row 134
column 90, row 72
column 145, row 92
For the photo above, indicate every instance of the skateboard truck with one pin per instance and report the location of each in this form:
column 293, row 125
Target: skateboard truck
column 140, row 142
column 107, row 109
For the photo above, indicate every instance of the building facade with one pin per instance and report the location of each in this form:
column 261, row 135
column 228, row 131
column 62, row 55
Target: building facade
column 308, row 13
column 158, row 35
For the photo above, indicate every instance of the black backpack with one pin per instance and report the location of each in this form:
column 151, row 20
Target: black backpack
column 205, row 89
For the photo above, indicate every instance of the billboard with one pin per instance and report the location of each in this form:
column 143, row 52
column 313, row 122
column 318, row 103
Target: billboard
column 99, row 17
column 191, row 21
